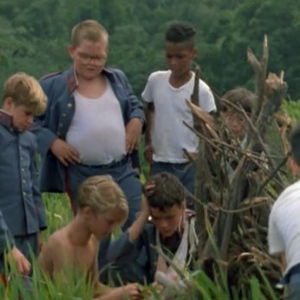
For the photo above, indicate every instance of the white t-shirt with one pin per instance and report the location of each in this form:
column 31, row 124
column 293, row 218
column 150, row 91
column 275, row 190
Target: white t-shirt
column 97, row 130
column 170, row 135
column 284, row 225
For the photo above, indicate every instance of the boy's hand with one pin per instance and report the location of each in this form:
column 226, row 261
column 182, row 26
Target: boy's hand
column 132, row 291
column 15, row 256
column 129, row 291
column 64, row 152
column 148, row 189
column 148, row 153
column 133, row 134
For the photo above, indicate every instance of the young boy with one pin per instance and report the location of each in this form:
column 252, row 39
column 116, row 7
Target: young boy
column 93, row 121
column 165, row 95
column 171, row 229
column 102, row 207
column 234, row 119
column 21, row 203
column 284, row 224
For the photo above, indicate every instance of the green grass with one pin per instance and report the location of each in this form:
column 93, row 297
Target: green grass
column 58, row 214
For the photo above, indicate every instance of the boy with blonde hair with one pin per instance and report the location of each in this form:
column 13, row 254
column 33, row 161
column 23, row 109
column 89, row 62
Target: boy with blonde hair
column 102, row 207
column 93, row 121
column 21, row 203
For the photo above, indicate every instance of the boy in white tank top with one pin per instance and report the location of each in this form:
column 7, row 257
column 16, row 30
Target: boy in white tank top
column 165, row 94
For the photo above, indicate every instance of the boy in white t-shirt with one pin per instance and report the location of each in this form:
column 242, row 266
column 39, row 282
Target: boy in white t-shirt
column 166, row 109
column 284, row 224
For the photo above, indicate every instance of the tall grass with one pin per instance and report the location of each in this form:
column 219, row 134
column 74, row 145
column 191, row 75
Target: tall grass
column 58, row 214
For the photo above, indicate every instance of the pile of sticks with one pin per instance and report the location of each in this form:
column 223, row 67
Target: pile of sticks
column 233, row 203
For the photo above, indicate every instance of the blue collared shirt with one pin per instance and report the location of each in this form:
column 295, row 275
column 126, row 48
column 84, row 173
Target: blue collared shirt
column 55, row 122
column 20, row 200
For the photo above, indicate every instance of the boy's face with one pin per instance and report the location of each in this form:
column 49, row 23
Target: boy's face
column 22, row 117
column 168, row 221
column 236, row 123
column 89, row 58
column 178, row 57
column 101, row 225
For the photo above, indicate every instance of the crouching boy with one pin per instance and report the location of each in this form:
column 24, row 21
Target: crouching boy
column 102, row 207
column 132, row 257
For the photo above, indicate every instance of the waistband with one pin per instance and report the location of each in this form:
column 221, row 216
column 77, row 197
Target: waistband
column 112, row 165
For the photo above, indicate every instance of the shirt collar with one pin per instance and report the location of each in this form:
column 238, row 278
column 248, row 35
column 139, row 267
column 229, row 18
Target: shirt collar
column 72, row 79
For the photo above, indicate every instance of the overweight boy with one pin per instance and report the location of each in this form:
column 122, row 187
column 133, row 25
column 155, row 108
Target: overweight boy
column 102, row 206
column 93, row 122
column 21, row 203
column 284, row 224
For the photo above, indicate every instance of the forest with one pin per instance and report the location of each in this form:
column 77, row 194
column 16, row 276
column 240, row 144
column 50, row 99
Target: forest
column 34, row 36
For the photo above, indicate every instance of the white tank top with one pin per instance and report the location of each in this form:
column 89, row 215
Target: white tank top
column 97, row 130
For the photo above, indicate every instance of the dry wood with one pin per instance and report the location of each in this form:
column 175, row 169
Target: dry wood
column 233, row 202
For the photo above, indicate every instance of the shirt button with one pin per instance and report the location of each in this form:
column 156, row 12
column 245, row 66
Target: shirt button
column 69, row 105
column 64, row 115
column 24, row 194
column 61, row 125
column 24, row 181
column 22, row 170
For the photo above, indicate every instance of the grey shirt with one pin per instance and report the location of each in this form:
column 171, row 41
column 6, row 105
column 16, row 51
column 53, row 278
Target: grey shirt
column 20, row 200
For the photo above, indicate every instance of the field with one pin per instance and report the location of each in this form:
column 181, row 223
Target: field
column 59, row 213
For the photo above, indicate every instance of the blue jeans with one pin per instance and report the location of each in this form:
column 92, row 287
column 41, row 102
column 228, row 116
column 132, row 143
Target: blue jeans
column 292, row 280
column 294, row 287
column 121, row 172
column 185, row 172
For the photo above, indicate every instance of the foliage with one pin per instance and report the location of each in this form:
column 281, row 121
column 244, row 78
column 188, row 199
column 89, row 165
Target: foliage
column 34, row 36
column 59, row 214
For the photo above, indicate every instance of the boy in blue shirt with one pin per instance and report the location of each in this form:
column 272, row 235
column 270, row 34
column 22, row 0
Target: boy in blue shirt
column 21, row 203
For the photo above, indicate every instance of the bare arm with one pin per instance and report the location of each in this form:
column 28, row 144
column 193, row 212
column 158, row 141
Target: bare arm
column 283, row 262
column 100, row 288
column 130, row 292
column 149, row 111
column 46, row 259
column 137, row 227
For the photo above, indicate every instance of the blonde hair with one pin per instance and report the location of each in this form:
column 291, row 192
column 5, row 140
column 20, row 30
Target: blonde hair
column 89, row 30
column 102, row 194
column 25, row 90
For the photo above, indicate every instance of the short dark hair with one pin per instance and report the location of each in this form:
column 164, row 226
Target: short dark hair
column 294, row 140
column 240, row 97
column 180, row 33
column 168, row 191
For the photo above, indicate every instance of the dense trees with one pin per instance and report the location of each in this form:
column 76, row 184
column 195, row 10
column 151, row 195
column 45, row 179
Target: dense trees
column 34, row 36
